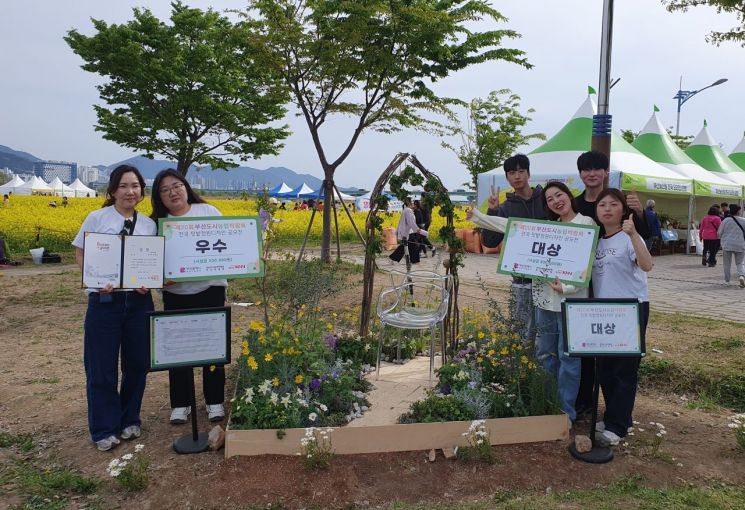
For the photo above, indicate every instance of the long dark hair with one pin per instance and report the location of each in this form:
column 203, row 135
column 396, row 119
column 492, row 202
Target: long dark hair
column 618, row 195
column 563, row 187
column 116, row 177
column 159, row 209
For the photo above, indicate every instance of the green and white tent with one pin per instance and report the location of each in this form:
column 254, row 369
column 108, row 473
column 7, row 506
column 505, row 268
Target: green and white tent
column 705, row 151
column 738, row 154
column 655, row 142
column 556, row 159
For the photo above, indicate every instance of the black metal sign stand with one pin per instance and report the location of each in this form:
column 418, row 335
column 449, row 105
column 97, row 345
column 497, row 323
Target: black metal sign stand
column 196, row 442
column 598, row 454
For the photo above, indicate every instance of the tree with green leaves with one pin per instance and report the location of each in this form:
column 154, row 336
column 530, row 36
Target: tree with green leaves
column 737, row 7
column 190, row 90
column 493, row 132
column 373, row 61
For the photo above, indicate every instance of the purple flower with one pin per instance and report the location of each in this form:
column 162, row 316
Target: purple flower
column 445, row 389
column 315, row 385
column 472, row 385
column 331, row 340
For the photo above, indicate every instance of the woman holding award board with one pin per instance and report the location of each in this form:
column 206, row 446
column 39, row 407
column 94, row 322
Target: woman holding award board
column 173, row 196
column 115, row 320
column 622, row 262
column 549, row 344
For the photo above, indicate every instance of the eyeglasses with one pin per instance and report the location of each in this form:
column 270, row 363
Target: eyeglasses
column 167, row 189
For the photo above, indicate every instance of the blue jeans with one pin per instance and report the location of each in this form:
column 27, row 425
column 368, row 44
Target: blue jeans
column 111, row 327
column 549, row 350
column 522, row 313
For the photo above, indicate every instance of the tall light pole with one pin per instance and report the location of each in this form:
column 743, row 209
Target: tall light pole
column 601, row 122
column 684, row 95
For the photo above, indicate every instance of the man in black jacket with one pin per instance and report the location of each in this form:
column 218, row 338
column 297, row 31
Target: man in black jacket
column 594, row 168
column 523, row 202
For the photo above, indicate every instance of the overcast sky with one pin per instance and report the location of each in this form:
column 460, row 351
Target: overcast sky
column 45, row 98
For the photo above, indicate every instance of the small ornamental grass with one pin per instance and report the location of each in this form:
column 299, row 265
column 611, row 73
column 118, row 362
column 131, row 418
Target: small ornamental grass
column 130, row 470
column 479, row 442
column 737, row 424
column 316, row 449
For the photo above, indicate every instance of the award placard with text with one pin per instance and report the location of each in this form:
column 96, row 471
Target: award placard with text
column 602, row 327
column 549, row 249
column 212, row 247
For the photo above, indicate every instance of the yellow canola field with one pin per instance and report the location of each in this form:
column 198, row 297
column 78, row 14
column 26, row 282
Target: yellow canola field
column 28, row 221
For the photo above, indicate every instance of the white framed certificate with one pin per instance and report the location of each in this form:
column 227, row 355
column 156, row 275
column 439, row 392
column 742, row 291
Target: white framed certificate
column 189, row 338
column 126, row 262
column 549, row 249
column 212, row 247
column 602, row 327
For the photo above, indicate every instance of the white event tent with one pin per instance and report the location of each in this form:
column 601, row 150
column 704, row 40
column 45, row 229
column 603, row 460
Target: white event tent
column 10, row 187
column 81, row 190
column 61, row 189
column 630, row 170
column 738, row 154
column 33, row 185
column 705, row 151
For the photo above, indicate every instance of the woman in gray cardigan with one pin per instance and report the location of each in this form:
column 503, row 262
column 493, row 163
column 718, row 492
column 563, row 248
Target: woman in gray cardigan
column 732, row 236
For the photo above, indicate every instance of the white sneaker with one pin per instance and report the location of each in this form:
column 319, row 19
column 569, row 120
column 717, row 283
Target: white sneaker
column 215, row 412
column 179, row 415
column 607, row 438
column 131, row 432
column 107, row 444
column 742, row 281
column 600, row 427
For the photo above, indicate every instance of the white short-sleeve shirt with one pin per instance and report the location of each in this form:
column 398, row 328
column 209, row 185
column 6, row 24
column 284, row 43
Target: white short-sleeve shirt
column 190, row 288
column 615, row 273
column 109, row 221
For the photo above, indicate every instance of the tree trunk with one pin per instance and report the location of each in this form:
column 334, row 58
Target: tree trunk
column 182, row 167
column 328, row 194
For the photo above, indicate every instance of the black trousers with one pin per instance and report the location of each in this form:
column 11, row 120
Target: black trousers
column 619, row 378
column 413, row 244
column 711, row 247
column 213, row 381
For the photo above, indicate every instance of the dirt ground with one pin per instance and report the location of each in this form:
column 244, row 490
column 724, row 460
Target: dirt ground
column 42, row 392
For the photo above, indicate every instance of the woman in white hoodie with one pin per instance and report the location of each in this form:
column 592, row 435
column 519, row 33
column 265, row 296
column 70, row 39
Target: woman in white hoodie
column 732, row 236
column 559, row 206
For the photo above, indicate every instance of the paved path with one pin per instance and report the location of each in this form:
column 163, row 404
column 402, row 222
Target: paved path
column 677, row 283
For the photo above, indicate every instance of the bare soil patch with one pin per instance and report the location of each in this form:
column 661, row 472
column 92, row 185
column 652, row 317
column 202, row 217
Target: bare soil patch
column 42, row 392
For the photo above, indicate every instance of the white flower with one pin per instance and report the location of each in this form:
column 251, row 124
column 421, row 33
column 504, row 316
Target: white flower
column 139, row 447
column 323, row 407
column 127, row 456
column 286, row 400
column 329, row 430
column 312, row 416
column 264, row 387
column 274, row 398
column 114, row 463
column 115, row 472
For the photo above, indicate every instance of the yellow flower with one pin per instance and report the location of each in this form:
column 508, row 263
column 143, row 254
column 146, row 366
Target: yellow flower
column 275, row 381
column 491, row 352
column 275, row 333
column 524, row 359
column 531, row 365
column 262, row 339
column 268, row 357
column 334, row 315
column 245, row 350
column 257, row 326
column 504, row 352
column 493, row 363
column 481, row 335
column 329, row 326
column 251, row 362
column 236, row 329
column 212, row 368
column 299, row 379
column 479, row 359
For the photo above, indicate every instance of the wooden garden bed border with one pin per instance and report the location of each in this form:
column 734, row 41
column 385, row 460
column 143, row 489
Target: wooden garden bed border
column 399, row 438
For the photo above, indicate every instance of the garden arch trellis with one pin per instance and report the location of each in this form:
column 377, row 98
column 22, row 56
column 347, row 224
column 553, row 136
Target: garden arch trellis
column 437, row 195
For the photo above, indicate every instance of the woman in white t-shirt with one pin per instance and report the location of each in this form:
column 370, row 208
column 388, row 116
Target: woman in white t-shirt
column 115, row 321
column 622, row 262
column 173, row 196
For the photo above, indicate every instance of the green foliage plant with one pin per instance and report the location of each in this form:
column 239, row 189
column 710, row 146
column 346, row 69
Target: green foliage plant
column 316, row 448
column 374, row 62
column 130, row 470
column 193, row 90
column 492, row 133
column 735, row 34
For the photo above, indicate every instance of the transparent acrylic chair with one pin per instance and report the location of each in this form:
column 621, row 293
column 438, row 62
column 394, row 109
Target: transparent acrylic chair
column 419, row 302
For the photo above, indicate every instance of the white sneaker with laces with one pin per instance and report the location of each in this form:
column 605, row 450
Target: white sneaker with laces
column 607, row 438
column 215, row 412
column 107, row 443
column 131, row 432
column 179, row 415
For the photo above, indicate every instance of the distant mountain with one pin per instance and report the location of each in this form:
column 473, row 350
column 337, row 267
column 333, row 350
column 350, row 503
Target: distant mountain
column 18, row 161
column 236, row 178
